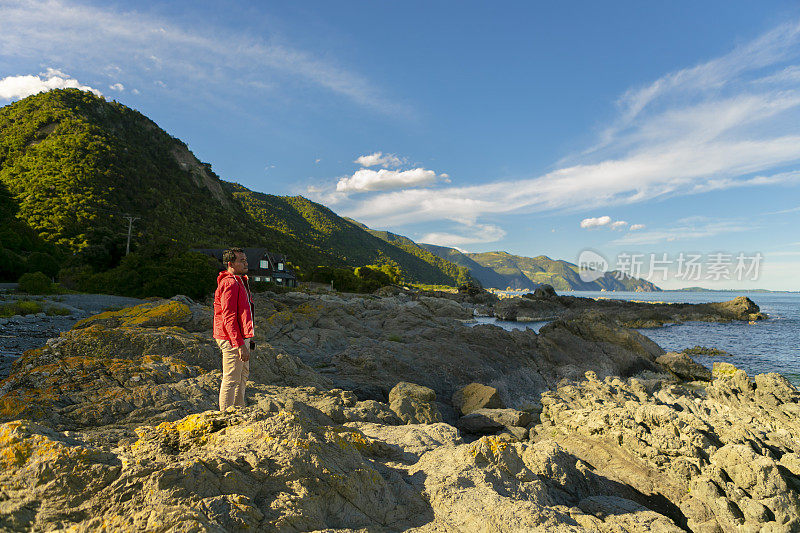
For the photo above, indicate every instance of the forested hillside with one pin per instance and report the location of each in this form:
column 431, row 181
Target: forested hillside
column 73, row 166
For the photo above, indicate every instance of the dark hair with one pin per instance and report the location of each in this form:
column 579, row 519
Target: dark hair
column 229, row 256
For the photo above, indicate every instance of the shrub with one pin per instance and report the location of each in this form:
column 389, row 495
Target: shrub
column 188, row 273
column 57, row 311
column 35, row 283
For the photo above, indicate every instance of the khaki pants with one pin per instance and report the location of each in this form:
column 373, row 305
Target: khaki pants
column 234, row 376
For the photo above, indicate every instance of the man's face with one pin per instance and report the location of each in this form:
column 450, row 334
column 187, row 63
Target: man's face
column 240, row 265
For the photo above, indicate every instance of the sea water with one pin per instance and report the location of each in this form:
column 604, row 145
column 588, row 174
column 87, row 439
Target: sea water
column 771, row 345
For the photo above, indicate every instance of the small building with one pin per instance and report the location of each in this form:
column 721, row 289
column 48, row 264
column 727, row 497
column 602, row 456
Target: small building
column 263, row 266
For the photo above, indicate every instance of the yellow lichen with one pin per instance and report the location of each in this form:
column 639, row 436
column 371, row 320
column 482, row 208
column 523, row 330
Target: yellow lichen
column 168, row 313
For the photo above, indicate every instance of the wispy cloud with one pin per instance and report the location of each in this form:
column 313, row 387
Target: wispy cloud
column 139, row 48
column 686, row 229
column 731, row 122
column 475, row 233
column 13, row 87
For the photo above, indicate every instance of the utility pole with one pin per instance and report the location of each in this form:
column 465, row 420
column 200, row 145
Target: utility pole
column 131, row 220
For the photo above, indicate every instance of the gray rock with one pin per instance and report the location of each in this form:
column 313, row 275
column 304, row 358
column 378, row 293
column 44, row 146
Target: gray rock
column 405, row 389
column 684, row 367
column 476, row 396
column 413, row 411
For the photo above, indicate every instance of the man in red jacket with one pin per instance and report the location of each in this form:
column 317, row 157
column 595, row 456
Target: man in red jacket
column 233, row 327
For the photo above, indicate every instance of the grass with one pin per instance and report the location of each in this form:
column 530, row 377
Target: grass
column 20, row 307
column 30, row 307
column 55, row 310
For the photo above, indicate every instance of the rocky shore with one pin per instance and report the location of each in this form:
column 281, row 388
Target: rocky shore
column 388, row 413
column 545, row 304
column 20, row 333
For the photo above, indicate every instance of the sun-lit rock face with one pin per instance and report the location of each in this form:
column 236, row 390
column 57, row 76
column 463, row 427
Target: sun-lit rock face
column 720, row 458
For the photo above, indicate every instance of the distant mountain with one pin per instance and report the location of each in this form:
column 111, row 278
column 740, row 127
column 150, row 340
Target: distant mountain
column 460, row 273
column 502, row 270
column 485, row 275
column 73, row 166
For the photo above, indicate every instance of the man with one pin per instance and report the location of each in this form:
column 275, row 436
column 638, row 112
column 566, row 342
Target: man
column 233, row 327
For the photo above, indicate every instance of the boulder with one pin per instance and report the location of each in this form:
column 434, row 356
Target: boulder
column 476, row 396
column 684, row 367
column 414, row 404
column 405, row 389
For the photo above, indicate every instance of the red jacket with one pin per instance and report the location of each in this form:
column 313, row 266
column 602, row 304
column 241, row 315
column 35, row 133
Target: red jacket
column 233, row 314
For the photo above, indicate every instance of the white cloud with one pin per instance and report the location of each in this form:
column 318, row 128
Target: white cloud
column 595, row 222
column 379, row 180
column 378, row 158
column 209, row 59
column 475, row 233
column 14, row 87
column 637, row 227
column 704, row 128
column 117, row 87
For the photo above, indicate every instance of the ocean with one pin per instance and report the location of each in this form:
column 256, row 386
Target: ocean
column 771, row 345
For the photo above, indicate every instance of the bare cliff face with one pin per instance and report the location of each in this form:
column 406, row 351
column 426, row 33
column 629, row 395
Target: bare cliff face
column 112, row 426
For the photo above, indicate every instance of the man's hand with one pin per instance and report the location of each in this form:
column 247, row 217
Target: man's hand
column 244, row 352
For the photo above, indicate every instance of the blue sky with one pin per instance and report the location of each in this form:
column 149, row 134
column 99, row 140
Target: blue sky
column 537, row 128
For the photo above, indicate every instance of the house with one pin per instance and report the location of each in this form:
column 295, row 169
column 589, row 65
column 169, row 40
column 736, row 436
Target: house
column 263, row 265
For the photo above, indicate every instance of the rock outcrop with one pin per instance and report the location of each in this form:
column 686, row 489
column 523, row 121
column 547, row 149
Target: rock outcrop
column 113, row 426
column 723, row 459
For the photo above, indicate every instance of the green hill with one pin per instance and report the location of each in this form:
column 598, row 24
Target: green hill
column 318, row 236
column 73, row 165
column 458, row 272
column 502, row 270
